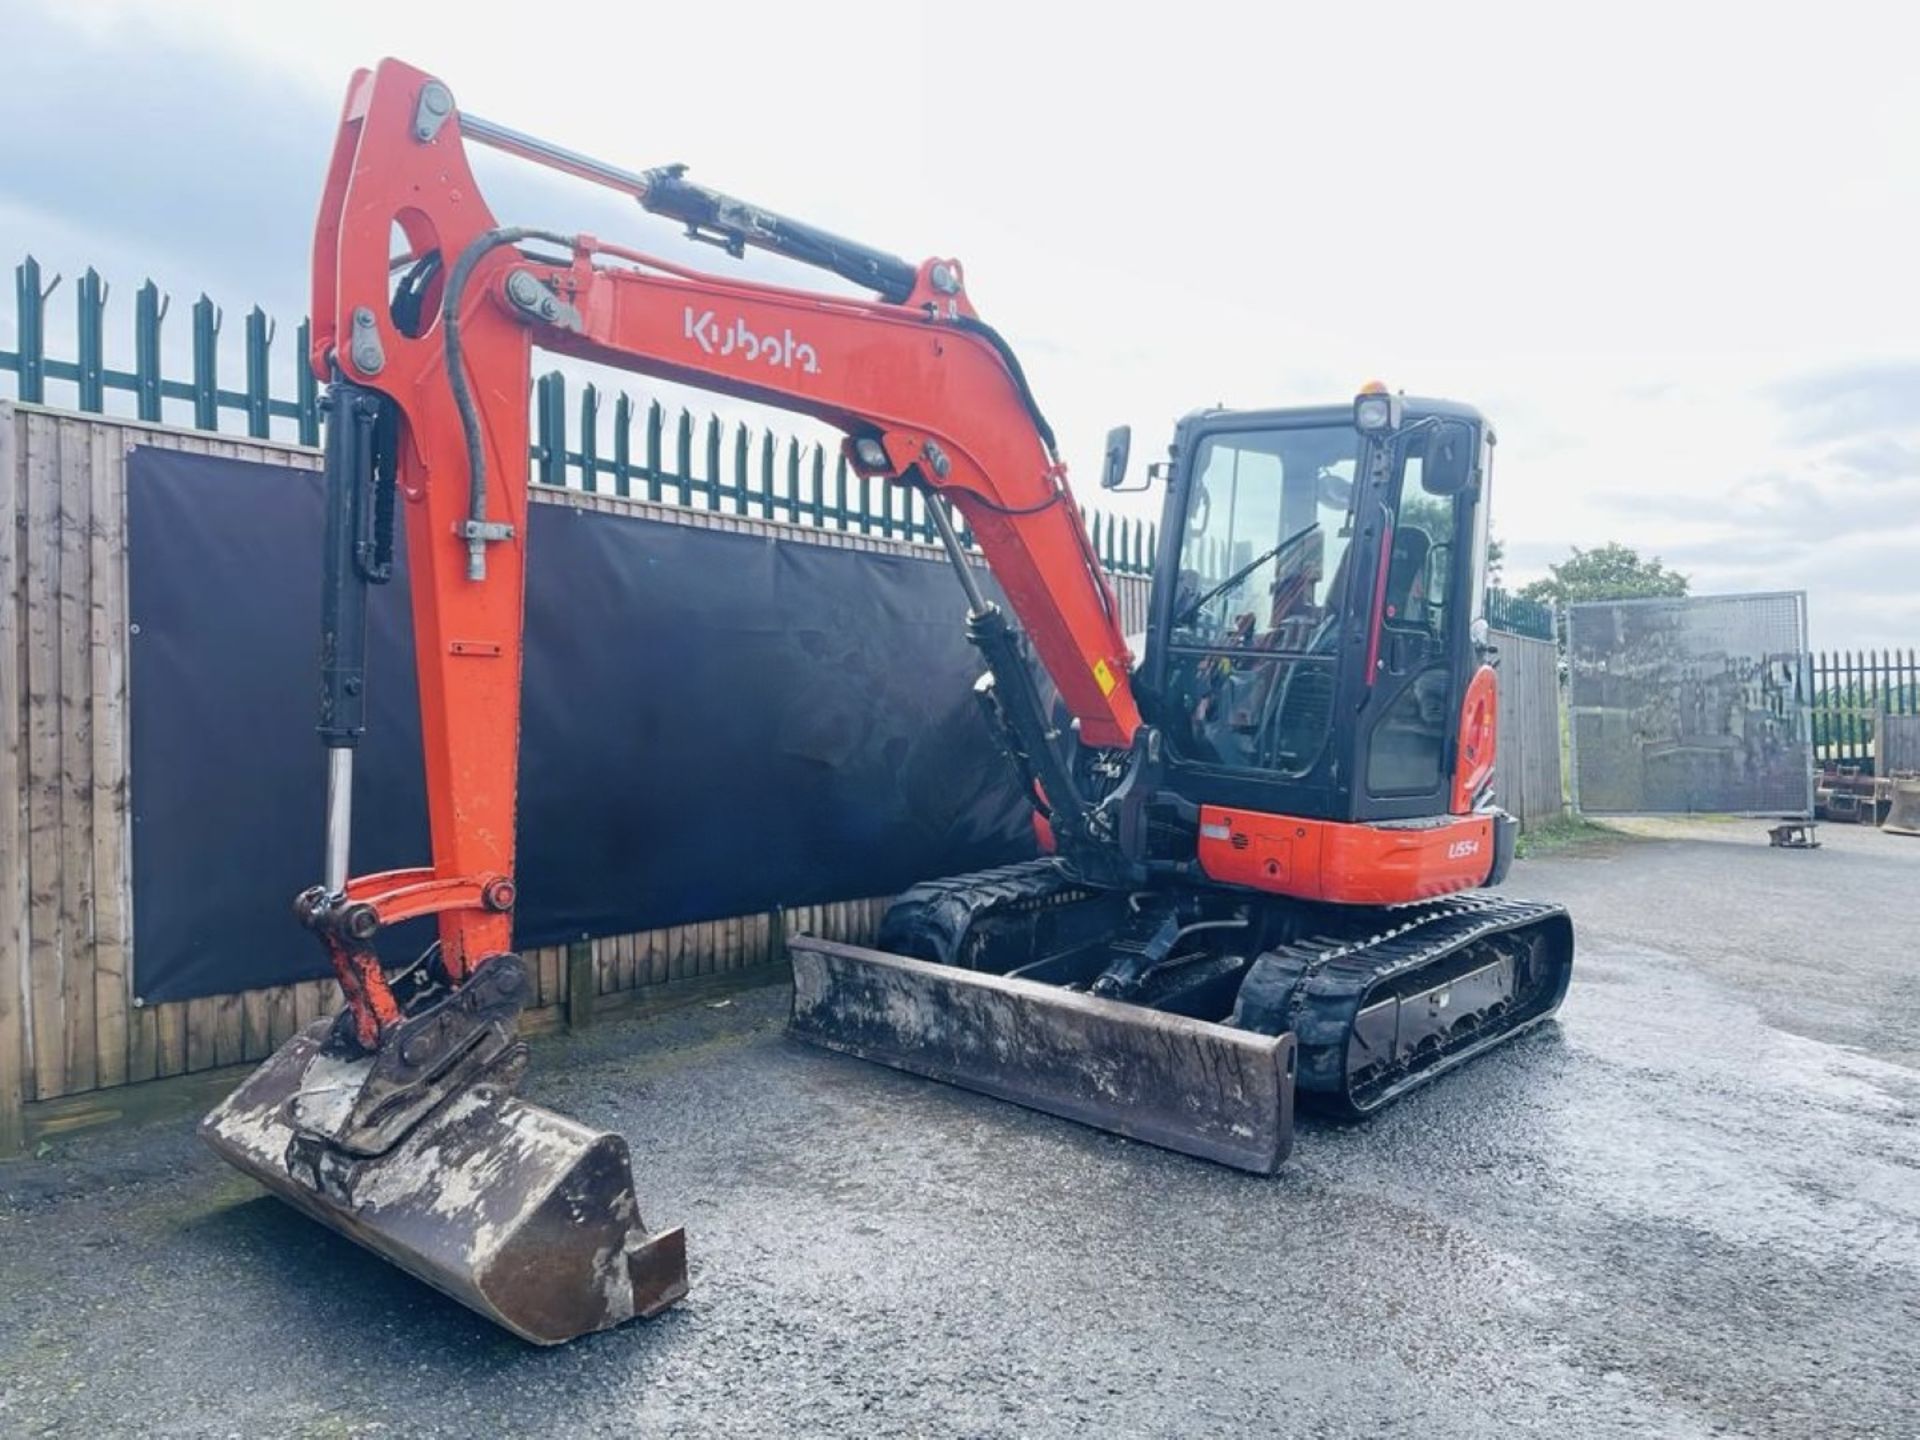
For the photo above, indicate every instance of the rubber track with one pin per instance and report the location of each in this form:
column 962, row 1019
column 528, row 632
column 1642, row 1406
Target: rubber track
column 931, row 921
column 1315, row 987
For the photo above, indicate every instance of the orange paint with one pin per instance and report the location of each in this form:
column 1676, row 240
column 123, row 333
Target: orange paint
column 1348, row 864
column 1479, row 739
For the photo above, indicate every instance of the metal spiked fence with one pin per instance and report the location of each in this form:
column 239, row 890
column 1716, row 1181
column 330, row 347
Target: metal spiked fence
column 1852, row 690
column 1517, row 615
column 623, row 448
column 626, row 448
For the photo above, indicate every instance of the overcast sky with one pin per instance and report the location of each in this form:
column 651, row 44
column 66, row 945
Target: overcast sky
column 1670, row 249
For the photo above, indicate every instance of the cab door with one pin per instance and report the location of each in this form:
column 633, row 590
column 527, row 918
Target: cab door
column 1420, row 654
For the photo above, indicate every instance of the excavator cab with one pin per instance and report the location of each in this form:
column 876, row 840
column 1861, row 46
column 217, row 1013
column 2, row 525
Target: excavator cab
column 1322, row 572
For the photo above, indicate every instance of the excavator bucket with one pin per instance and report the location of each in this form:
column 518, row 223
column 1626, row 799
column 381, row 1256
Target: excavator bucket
column 517, row 1212
column 1189, row 1085
column 1903, row 815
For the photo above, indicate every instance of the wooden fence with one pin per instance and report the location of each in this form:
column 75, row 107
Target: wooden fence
column 1526, row 779
column 69, row 1024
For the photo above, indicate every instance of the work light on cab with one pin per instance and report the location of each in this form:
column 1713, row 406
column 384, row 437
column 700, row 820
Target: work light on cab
column 1374, row 410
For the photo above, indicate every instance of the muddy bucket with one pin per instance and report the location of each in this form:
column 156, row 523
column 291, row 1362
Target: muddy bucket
column 1184, row 1084
column 517, row 1212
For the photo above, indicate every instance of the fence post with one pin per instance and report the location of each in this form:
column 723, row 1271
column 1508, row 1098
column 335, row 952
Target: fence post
column 206, row 364
column 259, row 340
column 653, row 449
column 622, row 443
column 306, row 387
column 1847, row 699
column 683, row 454
column 149, row 309
column 550, row 410
column 581, row 984
column 590, row 439
column 30, row 308
column 91, row 298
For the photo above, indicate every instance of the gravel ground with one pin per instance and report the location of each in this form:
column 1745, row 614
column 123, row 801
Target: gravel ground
column 1690, row 1208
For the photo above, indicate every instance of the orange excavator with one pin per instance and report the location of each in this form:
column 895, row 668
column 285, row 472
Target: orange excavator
column 1267, row 826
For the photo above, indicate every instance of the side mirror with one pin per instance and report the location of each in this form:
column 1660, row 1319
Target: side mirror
column 1113, row 472
column 1448, row 468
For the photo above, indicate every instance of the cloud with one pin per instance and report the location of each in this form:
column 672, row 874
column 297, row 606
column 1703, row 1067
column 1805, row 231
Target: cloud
column 1880, row 458
column 1851, row 401
column 1677, row 312
column 207, row 167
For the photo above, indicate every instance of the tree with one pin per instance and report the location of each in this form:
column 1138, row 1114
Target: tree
column 1607, row 572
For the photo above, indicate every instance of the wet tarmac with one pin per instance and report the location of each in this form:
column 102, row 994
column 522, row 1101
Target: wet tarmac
column 1691, row 1207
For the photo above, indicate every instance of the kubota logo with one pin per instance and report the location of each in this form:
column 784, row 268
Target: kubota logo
column 781, row 350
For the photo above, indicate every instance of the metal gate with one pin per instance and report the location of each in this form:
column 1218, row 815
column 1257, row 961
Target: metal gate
column 1696, row 705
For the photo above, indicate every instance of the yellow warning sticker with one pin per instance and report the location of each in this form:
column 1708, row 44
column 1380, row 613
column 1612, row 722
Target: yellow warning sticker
column 1103, row 677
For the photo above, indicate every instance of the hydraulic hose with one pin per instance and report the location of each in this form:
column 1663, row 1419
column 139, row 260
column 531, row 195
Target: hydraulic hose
column 477, row 249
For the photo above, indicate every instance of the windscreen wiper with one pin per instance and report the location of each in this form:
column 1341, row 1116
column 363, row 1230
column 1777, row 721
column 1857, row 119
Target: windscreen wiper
column 1195, row 607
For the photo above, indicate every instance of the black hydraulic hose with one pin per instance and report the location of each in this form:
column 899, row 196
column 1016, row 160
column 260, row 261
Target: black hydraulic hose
column 409, row 296
column 1005, row 351
column 477, row 249
column 1001, row 348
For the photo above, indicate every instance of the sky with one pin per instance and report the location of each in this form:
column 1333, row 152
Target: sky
column 1670, row 249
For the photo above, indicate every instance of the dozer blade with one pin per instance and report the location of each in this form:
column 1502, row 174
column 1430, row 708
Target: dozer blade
column 1185, row 1084
column 519, row 1213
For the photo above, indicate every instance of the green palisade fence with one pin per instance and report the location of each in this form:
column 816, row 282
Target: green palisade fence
column 92, row 377
column 626, row 448
column 1851, row 690
column 1518, row 616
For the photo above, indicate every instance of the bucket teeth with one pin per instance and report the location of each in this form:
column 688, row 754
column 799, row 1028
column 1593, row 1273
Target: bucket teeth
column 524, row 1215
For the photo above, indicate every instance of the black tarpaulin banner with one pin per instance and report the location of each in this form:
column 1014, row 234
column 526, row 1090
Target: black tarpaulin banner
column 714, row 724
